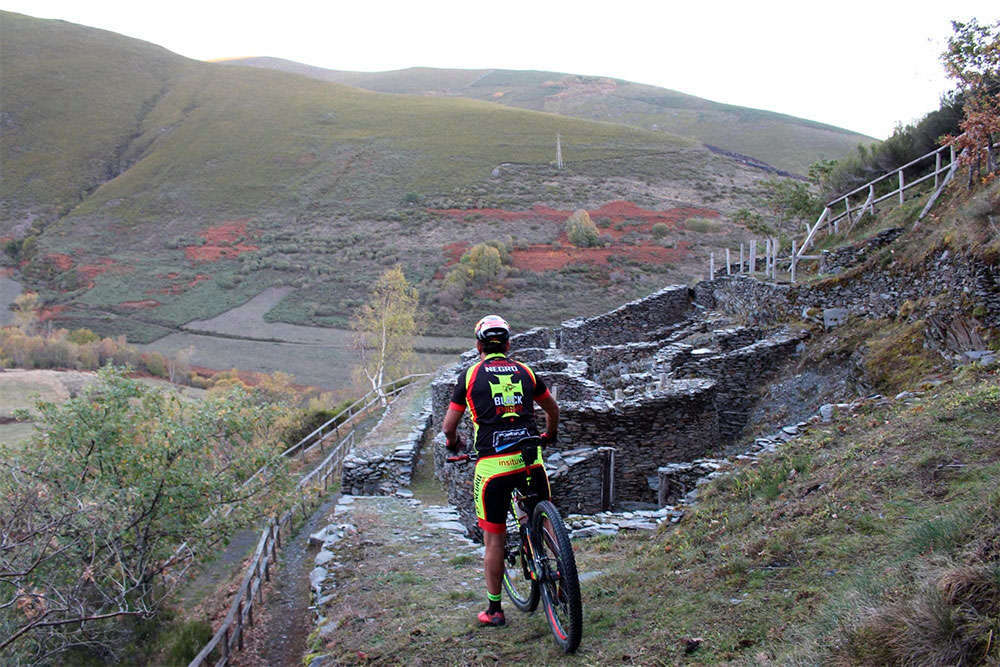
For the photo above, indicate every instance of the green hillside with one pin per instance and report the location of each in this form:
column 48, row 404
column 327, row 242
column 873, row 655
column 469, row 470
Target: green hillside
column 143, row 190
column 786, row 142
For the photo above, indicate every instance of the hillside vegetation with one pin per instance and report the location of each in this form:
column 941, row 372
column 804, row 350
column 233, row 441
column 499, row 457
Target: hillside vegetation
column 143, row 190
column 783, row 141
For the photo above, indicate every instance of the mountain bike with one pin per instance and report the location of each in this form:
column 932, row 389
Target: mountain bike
column 539, row 561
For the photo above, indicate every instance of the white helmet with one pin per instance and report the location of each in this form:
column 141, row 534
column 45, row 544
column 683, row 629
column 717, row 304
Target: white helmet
column 492, row 327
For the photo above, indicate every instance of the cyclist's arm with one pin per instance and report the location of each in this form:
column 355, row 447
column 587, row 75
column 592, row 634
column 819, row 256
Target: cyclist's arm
column 547, row 403
column 450, row 426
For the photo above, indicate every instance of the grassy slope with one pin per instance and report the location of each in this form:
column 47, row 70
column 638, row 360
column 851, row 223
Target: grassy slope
column 784, row 141
column 785, row 559
column 132, row 152
column 71, row 98
column 222, row 140
column 806, row 557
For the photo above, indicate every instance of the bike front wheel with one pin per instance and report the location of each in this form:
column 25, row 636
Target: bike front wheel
column 521, row 587
column 558, row 580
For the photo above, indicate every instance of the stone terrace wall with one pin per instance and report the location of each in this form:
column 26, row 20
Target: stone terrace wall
column 737, row 374
column 384, row 474
column 846, row 257
column 632, row 322
column 580, row 479
column 537, row 337
column 676, row 423
column 607, row 361
column 875, row 293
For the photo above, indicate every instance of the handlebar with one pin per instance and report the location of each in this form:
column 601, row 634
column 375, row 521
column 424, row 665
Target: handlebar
column 461, row 458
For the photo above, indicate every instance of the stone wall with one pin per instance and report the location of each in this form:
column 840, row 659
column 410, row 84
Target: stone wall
column 951, row 284
column 608, row 362
column 738, row 374
column 539, row 337
column 582, row 480
column 385, row 473
column 632, row 322
column 676, row 423
column 837, row 260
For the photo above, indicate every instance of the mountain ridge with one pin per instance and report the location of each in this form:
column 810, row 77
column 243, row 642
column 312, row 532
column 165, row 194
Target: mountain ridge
column 637, row 104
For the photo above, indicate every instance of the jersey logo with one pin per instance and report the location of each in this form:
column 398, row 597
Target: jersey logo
column 507, row 395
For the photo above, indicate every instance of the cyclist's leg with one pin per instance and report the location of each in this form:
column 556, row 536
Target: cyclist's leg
column 492, row 487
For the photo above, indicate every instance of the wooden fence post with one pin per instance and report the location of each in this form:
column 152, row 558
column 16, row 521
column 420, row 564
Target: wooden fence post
column 900, row 186
column 741, row 257
column 711, row 270
column 729, row 271
column 239, row 625
column 753, row 256
column 937, row 168
column 794, row 259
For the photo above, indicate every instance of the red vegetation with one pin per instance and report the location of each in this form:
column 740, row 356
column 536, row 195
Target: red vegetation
column 50, row 312
column 182, row 287
column 221, row 242
column 545, row 258
column 90, row 271
column 145, row 303
column 61, row 261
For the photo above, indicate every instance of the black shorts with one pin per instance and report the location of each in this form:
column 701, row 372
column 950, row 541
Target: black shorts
column 496, row 478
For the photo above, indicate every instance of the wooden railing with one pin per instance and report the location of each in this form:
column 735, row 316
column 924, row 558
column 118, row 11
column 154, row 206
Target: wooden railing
column 942, row 173
column 309, row 490
column 356, row 408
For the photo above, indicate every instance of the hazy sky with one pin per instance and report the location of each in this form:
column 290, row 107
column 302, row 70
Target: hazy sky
column 864, row 66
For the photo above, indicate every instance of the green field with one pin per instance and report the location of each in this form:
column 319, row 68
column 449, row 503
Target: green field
column 783, row 141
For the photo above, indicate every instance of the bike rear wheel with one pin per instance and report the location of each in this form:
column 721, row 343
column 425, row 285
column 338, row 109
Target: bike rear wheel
column 521, row 588
column 558, row 580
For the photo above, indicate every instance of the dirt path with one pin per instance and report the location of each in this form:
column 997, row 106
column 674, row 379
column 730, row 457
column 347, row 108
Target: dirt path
column 410, row 584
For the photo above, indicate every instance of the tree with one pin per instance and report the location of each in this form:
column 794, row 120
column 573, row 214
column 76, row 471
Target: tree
column 972, row 59
column 26, row 312
column 93, row 512
column 384, row 329
column 481, row 264
column 581, row 230
column 791, row 200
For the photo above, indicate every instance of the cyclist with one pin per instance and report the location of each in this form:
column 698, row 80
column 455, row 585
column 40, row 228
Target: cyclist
column 498, row 393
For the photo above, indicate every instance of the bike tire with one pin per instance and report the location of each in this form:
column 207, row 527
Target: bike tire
column 521, row 587
column 560, row 586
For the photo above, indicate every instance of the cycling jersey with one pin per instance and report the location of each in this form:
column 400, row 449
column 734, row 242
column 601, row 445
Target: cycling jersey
column 499, row 393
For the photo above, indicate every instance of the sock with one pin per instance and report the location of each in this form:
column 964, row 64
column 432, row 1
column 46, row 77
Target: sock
column 494, row 603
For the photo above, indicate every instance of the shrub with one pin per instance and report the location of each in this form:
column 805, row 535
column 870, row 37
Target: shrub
column 119, row 477
column 660, row 230
column 82, row 336
column 155, row 363
column 581, row 230
column 702, row 225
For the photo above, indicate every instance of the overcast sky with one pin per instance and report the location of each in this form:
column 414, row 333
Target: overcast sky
column 864, row 66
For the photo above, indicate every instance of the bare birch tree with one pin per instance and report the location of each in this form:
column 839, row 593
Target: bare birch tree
column 384, row 329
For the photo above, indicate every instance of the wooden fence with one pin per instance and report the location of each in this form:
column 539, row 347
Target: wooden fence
column 311, row 488
column 844, row 209
column 309, row 491
column 831, row 216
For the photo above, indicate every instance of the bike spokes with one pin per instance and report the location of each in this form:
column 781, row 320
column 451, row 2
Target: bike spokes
column 521, row 587
column 560, row 587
